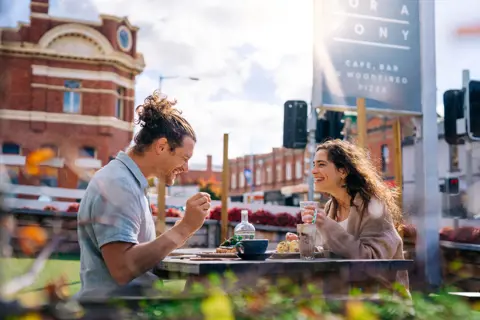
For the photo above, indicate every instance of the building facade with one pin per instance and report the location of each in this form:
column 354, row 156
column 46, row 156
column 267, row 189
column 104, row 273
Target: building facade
column 67, row 85
column 199, row 172
column 270, row 172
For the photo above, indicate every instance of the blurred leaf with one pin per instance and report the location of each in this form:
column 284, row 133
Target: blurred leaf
column 356, row 310
column 36, row 158
column 217, row 306
column 215, row 280
column 31, row 239
column 355, row 292
column 31, row 316
column 455, row 265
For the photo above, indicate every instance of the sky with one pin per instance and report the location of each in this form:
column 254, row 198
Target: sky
column 250, row 56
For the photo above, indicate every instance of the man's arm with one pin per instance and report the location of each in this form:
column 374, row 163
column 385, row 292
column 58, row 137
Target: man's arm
column 126, row 261
column 125, row 258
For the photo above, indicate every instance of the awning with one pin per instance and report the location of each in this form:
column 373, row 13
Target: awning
column 299, row 188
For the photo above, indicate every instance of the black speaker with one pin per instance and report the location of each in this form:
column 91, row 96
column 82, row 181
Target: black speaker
column 453, row 110
column 295, row 124
column 329, row 127
column 474, row 109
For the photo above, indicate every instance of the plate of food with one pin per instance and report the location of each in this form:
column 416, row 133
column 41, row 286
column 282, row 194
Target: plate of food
column 225, row 250
column 290, row 249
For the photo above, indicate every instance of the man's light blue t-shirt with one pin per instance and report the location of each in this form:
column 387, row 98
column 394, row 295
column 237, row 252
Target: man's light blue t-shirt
column 116, row 203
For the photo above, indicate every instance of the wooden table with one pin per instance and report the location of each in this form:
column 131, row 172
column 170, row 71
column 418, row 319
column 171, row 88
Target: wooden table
column 336, row 276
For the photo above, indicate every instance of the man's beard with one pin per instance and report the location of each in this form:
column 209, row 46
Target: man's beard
column 170, row 179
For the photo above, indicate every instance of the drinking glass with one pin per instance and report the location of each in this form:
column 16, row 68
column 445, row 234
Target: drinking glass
column 306, row 240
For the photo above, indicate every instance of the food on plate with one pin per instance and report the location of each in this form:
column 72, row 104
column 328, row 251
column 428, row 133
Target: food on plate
column 226, row 250
column 230, row 242
column 228, row 246
column 291, row 236
column 290, row 245
column 293, row 246
column 283, row 247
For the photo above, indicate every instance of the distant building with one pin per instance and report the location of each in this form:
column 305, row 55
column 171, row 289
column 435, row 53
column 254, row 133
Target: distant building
column 270, row 172
column 68, row 85
column 197, row 172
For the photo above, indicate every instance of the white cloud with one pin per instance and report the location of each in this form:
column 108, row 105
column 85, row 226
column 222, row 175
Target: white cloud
column 219, row 41
column 204, row 39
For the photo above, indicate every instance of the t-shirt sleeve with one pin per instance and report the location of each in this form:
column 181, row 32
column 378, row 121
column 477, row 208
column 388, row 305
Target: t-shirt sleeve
column 116, row 213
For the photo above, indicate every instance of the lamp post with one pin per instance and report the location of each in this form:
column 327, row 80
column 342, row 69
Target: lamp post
column 160, row 224
column 162, row 78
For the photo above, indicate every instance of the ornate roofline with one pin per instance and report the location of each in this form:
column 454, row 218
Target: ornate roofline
column 116, row 58
column 73, row 28
column 71, row 20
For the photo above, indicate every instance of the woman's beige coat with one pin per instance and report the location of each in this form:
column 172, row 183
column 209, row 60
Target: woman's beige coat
column 370, row 234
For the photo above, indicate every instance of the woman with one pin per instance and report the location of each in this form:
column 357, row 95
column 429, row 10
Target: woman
column 359, row 219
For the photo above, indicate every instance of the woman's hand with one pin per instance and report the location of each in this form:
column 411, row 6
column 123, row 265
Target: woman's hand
column 309, row 212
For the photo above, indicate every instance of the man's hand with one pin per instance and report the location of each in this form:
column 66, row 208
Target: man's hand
column 196, row 211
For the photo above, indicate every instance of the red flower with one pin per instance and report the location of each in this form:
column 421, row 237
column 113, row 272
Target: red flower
column 216, row 213
column 50, row 208
column 285, row 219
column 173, row 213
column 235, row 214
column 262, row 217
column 154, row 209
column 73, row 207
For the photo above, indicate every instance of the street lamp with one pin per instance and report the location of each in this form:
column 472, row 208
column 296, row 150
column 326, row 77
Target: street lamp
column 161, row 205
column 161, row 78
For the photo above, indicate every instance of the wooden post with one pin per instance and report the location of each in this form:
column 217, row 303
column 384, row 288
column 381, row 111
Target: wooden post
column 160, row 224
column 361, row 122
column 398, row 161
column 225, row 185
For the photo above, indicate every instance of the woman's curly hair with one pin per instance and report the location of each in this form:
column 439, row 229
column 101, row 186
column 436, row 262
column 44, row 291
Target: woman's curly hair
column 159, row 119
column 362, row 176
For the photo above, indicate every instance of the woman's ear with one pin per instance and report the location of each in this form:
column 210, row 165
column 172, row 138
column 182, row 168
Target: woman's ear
column 343, row 172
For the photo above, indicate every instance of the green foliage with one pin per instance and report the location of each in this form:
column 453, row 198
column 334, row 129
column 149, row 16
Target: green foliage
column 231, row 242
column 288, row 300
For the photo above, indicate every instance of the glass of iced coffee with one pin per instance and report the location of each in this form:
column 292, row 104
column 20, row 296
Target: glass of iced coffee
column 306, row 240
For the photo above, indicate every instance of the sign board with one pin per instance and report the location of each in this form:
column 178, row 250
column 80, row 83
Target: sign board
column 368, row 49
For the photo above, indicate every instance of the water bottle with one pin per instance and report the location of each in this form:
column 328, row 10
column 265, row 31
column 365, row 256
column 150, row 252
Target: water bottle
column 244, row 230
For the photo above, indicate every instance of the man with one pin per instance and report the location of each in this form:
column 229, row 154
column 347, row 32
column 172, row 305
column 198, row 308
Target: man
column 118, row 245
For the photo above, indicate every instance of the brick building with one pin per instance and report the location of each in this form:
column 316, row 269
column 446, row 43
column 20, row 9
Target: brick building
column 270, row 173
column 197, row 172
column 68, row 85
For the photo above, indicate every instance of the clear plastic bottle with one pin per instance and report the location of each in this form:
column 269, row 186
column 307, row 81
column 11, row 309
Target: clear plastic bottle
column 244, row 230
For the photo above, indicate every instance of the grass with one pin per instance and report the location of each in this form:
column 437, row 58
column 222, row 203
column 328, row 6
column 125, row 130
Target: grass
column 54, row 268
column 69, row 266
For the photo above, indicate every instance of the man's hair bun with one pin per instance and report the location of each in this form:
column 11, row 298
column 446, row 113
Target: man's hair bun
column 155, row 110
column 159, row 119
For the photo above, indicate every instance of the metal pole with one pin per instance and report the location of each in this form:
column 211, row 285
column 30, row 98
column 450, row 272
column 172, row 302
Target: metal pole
column 311, row 145
column 429, row 213
column 161, row 193
column 361, row 122
column 468, row 144
column 397, row 134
